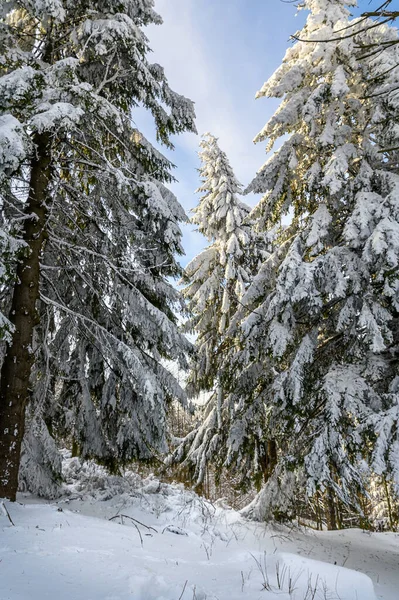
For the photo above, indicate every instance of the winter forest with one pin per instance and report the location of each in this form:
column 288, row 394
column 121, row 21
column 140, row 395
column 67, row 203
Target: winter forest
column 199, row 337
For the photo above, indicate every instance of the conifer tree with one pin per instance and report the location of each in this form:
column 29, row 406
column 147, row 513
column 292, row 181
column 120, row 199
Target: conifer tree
column 321, row 314
column 89, row 236
column 216, row 281
column 382, row 247
column 218, row 276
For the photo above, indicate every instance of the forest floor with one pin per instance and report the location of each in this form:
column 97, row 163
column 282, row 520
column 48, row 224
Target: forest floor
column 129, row 538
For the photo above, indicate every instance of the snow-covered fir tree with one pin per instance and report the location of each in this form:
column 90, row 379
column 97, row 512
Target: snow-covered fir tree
column 382, row 246
column 89, row 237
column 321, row 316
column 216, row 280
column 218, row 276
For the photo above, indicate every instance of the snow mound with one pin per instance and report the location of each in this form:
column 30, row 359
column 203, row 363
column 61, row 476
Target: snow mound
column 324, row 579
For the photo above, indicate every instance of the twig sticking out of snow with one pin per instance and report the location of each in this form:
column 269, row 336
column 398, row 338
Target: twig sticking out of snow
column 135, row 522
column 183, row 590
column 7, row 514
column 262, row 566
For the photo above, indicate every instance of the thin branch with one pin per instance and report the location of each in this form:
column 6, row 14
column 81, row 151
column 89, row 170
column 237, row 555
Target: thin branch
column 184, row 589
column 121, row 517
column 7, row 514
column 338, row 39
column 135, row 523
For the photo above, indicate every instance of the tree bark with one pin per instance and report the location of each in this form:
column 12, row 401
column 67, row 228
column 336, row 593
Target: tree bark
column 18, row 360
column 268, row 459
column 388, row 497
column 330, row 510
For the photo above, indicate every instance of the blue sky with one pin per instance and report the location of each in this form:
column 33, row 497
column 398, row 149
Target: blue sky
column 219, row 53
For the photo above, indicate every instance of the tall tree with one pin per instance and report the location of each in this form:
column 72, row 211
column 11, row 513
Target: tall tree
column 90, row 312
column 216, row 281
column 321, row 314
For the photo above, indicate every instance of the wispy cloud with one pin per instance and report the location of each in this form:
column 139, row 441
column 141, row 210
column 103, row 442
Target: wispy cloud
column 194, row 64
column 218, row 53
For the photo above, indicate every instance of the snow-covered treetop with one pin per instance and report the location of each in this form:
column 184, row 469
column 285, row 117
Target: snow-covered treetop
column 328, row 12
column 325, row 173
column 222, row 218
column 219, row 212
column 317, row 82
column 141, row 11
column 218, row 277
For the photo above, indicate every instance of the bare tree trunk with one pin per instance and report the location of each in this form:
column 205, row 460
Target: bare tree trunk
column 318, row 512
column 18, row 360
column 330, row 510
column 389, row 505
column 268, row 459
column 272, row 454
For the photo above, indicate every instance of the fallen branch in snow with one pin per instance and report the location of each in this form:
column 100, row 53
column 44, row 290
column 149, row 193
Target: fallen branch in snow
column 138, row 530
column 174, row 529
column 7, row 514
column 135, row 523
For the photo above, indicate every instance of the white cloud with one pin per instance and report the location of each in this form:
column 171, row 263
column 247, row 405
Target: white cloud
column 194, row 66
column 219, row 53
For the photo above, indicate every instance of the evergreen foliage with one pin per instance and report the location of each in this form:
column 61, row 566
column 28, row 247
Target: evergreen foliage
column 216, row 281
column 70, row 75
column 321, row 315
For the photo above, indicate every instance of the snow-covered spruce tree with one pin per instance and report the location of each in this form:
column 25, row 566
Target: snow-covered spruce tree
column 382, row 247
column 90, row 235
column 219, row 275
column 321, row 316
column 216, row 281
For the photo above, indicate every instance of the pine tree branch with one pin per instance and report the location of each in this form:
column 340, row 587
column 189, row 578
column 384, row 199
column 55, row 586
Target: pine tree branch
column 339, row 39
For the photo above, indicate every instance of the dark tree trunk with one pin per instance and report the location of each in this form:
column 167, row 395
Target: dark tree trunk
column 18, row 360
column 268, row 459
column 389, row 504
column 272, row 454
column 330, row 510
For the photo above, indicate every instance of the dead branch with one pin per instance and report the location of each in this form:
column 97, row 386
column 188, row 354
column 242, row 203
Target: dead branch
column 7, row 514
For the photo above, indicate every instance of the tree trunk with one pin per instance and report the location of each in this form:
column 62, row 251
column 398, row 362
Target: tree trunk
column 272, row 454
column 18, row 360
column 268, row 459
column 319, row 518
column 388, row 497
column 330, row 510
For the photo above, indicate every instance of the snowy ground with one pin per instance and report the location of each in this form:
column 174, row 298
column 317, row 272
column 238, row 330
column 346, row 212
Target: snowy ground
column 178, row 548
